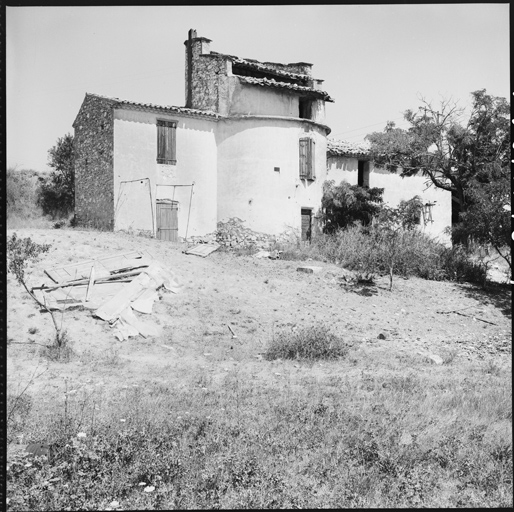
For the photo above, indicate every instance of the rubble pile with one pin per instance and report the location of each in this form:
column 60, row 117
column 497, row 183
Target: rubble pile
column 233, row 233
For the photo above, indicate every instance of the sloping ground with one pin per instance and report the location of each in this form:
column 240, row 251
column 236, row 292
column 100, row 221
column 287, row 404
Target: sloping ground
column 417, row 414
column 257, row 298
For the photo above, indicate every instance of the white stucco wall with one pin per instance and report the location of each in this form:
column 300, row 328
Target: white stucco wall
column 398, row 189
column 248, row 186
column 245, row 99
column 251, row 99
column 135, row 154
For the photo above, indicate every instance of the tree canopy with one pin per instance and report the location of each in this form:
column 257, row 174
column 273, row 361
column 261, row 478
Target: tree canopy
column 453, row 153
column 58, row 192
column 344, row 204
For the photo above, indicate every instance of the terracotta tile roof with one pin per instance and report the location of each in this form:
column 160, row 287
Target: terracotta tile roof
column 269, row 69
column 345, row 148
column 160, row 108
column 266, row 82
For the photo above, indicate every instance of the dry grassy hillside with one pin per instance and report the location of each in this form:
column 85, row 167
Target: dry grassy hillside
column 427, row 371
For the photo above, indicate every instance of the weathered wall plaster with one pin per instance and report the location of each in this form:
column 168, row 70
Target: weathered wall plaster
column 135, row 158
column 249, row 187
column 248, row 99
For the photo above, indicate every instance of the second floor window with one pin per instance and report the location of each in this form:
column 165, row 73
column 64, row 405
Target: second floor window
column 166, row 142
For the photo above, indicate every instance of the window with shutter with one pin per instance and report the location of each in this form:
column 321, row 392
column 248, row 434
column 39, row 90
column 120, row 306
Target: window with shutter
column 166, row 142
column 307, row 159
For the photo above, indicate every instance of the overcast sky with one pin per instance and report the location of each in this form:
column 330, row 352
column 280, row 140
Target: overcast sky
column 376, row 60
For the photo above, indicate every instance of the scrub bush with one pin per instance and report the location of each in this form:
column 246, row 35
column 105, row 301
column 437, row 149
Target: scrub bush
column 315, row 342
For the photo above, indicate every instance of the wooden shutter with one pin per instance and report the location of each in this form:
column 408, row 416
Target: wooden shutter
column 304, row 158
column 312, row 146
column 166, row 142
column 307, row 159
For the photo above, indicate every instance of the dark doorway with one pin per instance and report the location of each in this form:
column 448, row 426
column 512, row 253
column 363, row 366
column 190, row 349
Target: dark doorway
column 360, row 175
column 363, row 173
column 306, row 224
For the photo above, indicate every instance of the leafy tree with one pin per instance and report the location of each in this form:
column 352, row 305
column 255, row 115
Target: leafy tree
column 488, row 222
column 57, row 196
column 344, row 204
column 451, row 153
column 409, row 212
column 390, row 233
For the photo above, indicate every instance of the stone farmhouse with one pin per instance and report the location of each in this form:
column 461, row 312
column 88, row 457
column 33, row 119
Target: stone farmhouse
column 250, row 143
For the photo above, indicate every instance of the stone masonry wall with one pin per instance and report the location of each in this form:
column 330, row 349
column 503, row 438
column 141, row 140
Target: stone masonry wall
column 94, row 174
column 209, row 79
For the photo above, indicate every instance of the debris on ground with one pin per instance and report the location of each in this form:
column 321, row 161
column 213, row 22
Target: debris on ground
column 113, row 287
column 458, row 312
column 310, row 269
column 39, row 450
column 272, row 255
column 202, row 250
column 433, row 358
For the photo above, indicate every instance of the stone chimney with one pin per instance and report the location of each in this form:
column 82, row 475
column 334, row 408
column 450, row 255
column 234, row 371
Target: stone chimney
column 195, row 46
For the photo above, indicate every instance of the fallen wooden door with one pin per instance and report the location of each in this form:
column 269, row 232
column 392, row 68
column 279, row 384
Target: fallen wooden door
column 306, row 224
column 167, row 220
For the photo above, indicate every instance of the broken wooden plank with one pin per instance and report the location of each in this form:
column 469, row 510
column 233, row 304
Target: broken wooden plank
column 144, row 303
column 103, row 266
column 148, row 279
column 124, row 297
column 145, row 329
column 90, row 284
column 123, row 330
column 202, row 250
column 107, row 279
column 458, row 312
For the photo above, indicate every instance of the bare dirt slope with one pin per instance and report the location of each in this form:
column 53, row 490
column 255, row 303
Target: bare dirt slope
column 257, row 298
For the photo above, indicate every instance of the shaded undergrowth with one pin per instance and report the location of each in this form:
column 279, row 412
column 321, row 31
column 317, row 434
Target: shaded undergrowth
column 367, row 251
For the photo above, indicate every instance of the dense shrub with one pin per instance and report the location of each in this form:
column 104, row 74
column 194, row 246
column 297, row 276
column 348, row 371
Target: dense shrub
column 459, row 266
column 345, row 204
column 315, row 342
column 368, row 250
column 22, row 193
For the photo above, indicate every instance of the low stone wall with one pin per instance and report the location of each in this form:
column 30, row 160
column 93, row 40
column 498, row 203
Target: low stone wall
column 234, row 234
